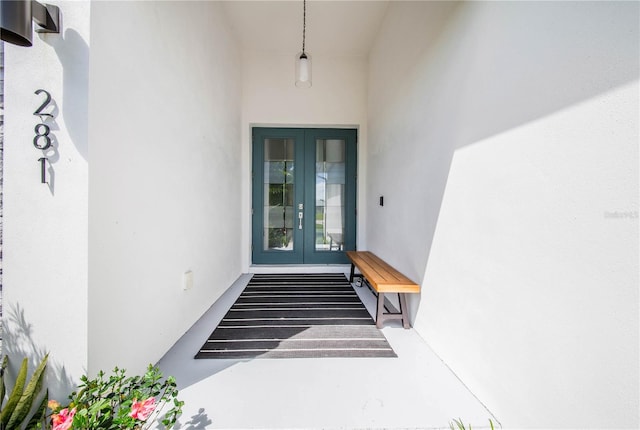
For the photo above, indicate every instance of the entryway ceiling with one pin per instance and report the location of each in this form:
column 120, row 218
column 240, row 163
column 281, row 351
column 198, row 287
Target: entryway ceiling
column 333, row 27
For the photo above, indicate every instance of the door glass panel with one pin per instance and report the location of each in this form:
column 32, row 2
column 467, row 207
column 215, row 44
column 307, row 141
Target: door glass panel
column 330, row 195
column 278, row 194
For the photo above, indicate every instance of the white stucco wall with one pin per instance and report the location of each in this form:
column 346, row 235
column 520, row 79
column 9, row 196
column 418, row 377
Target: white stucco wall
column 45, row 228
column 338, row 98
column 508, row 141
column 165, row 184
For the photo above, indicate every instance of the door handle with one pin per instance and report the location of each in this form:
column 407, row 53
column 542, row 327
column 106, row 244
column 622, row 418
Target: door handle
column 300, row 215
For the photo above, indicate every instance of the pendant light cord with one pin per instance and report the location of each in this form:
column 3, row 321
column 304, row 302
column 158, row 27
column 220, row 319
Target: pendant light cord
column 304, row 23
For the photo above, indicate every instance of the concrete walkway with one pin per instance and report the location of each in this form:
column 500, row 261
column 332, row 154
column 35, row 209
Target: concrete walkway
column 414, row 391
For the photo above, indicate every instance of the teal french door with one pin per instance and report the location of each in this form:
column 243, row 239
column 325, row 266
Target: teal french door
column 304, row 195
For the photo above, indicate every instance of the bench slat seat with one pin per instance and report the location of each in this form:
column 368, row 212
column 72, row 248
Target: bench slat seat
column 383, row 278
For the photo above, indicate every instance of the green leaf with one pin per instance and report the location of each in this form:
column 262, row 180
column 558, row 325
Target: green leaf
column 38, row 417
column 80, row 420
column 15, row 395
column 5, row 362
column 28, row 396
column 459, row 425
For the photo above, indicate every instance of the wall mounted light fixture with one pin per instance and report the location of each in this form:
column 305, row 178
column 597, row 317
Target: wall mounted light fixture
column 303, row 59
column 17, row 16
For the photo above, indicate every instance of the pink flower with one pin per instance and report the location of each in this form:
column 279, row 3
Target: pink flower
column 142, row 410
column 63, row 419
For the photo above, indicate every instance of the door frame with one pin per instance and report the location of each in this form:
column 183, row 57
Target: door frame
column 306, row 253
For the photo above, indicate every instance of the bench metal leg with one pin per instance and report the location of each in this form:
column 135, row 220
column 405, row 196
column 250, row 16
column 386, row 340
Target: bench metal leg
column 382, row 316
column 353, row 276
column 403, row 309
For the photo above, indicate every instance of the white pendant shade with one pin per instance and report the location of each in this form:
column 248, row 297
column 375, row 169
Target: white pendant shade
column 303, row 70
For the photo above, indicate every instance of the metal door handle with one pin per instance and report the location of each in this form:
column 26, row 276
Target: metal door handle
column 300, row 220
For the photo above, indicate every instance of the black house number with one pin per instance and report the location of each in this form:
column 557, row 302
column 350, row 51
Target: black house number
column 44, row 105
column 42, row 140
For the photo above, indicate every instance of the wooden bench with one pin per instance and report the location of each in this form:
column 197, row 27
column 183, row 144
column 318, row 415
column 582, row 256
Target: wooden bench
column 383, row 279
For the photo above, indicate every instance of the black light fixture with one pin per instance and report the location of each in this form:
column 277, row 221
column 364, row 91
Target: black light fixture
column 17, row 16
column 303, row 59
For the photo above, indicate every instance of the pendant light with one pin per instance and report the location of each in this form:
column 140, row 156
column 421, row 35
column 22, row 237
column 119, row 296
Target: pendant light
column 303, row 59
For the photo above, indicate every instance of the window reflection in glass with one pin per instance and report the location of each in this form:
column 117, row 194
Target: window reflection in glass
column 278, row 194
column 330, row 194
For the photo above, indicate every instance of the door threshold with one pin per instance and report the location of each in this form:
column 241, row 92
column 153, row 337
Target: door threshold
column 300, row 268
